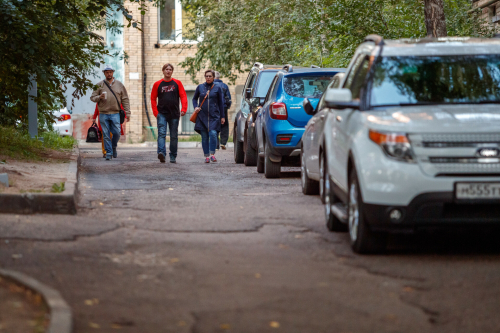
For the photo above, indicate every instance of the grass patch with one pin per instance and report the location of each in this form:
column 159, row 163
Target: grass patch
column 57, row 188
column 18, row 144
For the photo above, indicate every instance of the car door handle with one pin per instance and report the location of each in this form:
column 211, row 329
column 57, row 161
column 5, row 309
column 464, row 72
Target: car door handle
column 339, row 119
column 322, row 116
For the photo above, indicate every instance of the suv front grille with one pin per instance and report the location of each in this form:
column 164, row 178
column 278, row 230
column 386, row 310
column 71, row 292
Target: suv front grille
column 456, row 153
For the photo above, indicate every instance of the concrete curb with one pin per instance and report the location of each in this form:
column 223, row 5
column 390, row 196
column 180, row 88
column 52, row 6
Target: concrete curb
column 61, row 320
column 49, row 203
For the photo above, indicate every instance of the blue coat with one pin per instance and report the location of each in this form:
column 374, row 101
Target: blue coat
column 212, row 110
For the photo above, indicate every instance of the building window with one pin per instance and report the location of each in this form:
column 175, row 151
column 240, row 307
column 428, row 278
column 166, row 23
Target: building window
column 172, row 21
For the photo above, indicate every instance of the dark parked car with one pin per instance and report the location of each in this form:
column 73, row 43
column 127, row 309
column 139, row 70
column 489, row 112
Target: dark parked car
column 258, row 81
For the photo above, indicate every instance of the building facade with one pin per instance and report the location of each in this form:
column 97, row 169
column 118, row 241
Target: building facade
column 490, row 10
column 141, row 56
column 148, row 50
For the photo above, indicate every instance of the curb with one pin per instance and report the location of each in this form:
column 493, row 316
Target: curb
column 48, row 203
column 61, row 320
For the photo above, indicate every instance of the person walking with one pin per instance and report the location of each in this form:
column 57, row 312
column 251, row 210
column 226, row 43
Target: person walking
column 224, row 131
column 109, row 109
column 208, row 102
column 168, row 91
column 96, row 115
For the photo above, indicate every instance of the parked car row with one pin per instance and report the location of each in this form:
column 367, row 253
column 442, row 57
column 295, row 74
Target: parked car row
column 407, row 138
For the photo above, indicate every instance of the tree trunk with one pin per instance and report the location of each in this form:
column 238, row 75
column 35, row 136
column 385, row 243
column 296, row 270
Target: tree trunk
column 435, row 21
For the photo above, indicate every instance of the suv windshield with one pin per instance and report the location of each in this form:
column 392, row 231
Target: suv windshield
column 265, row 80
column 306, row 86
column 436, row 80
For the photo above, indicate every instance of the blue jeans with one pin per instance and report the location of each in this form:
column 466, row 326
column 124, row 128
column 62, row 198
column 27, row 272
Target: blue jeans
column 208, row 140
column 110, row 123
column 173, row 125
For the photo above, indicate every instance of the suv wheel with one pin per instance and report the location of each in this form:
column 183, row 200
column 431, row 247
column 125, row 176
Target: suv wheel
column 309, row 186
column 322, row 164
column 363, row 240
column 260, row 164
column 250, row 153
column 271, row 169
column 238, row 147
column 332, row 222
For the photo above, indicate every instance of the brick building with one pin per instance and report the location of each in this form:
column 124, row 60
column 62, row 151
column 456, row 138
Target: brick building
column 147, row 52
column 490, row 10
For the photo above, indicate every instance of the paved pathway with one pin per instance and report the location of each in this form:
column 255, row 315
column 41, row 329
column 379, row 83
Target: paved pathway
column 191, row 247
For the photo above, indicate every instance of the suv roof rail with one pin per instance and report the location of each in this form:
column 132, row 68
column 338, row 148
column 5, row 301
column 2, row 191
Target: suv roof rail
column 288, row 68
column 314, row 66
column 258, row 64
column 378, row 40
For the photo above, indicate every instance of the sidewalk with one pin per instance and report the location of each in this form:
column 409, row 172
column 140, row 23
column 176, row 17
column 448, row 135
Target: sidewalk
column 152, row 144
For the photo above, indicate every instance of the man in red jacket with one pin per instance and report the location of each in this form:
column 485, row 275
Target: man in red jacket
column 168, row 91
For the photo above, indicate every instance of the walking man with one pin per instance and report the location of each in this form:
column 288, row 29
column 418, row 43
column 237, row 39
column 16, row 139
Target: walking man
column 224, row 131
column 110, row 97
column 168, row 91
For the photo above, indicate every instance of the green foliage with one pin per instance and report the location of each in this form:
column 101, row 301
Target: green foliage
column 54, row 41
column 236, row 33
column 57, row 188
column 18, row 144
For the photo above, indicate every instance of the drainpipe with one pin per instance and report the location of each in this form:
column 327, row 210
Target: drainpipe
column 144, row 82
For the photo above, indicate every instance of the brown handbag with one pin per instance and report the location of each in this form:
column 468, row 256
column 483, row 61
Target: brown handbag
column 195, row 114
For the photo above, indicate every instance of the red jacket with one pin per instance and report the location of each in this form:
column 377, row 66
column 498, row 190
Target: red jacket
column 168, row 93
column 96, row 114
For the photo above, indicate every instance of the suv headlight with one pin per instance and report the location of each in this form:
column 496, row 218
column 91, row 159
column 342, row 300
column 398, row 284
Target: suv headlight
column 394, row 145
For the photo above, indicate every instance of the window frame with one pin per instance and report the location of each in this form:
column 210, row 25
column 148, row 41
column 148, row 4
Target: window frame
column 178, row 23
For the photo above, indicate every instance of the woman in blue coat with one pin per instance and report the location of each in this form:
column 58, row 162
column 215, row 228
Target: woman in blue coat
column 210, row 114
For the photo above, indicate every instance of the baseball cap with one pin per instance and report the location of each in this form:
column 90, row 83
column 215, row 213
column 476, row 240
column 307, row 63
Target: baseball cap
column 108, row 68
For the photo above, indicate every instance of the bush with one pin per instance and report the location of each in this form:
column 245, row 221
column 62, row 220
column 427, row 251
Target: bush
column 18, row 144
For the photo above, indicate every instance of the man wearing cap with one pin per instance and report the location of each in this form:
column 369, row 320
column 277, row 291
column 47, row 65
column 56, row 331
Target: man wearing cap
column 109, row 109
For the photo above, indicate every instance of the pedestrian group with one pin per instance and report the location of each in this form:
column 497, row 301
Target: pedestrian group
column 211, row 102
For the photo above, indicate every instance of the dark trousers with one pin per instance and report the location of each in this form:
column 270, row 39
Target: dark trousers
column 224, row 132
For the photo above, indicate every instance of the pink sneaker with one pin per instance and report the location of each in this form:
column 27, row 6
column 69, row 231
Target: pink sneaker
column 213, row 159
column 207, row 160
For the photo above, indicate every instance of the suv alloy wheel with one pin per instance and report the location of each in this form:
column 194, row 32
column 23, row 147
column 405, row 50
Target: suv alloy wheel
column 363, row 240
column 309, row 186
column 332, row 222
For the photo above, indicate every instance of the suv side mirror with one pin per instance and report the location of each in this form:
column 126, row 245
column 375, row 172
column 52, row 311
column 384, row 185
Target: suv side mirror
column 308, row 107
column 340, row 99
column 248, row 93
column 254, row 101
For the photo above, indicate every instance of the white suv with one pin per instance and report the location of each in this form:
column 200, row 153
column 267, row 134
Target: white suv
column 412, row 139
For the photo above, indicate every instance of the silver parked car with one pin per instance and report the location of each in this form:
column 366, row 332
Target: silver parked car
column 412, row 139
column 313, row 135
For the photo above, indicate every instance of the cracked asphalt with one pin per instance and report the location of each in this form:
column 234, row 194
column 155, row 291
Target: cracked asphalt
column 190, row 247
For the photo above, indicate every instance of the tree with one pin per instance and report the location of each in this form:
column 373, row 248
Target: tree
column 236, row 33
column 53, row 40
column 435, row 21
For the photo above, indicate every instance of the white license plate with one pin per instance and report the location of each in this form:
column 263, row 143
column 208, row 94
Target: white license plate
column 477, row 191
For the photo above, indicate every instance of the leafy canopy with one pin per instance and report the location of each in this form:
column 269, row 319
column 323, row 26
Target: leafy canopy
column 234, row 34
column 53, row 40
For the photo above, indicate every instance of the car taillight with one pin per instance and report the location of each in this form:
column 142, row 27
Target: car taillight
column 278, row 111
column 64, row 117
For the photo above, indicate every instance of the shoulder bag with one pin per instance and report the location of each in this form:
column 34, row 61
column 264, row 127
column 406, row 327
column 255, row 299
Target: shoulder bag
column 195, row 114
column 122, row 113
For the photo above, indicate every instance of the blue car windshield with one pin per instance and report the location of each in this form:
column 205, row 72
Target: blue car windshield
column 416, row 80
column 307, row 86
column 265, row 80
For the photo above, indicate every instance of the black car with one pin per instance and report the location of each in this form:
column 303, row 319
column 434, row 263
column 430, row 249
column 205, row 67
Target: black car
column 256, row 86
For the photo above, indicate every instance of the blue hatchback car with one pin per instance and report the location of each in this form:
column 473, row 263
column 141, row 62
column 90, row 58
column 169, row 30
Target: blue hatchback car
column 281, row 121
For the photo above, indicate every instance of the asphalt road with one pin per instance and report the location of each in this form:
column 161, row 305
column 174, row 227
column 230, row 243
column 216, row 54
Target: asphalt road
column 190, row 247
